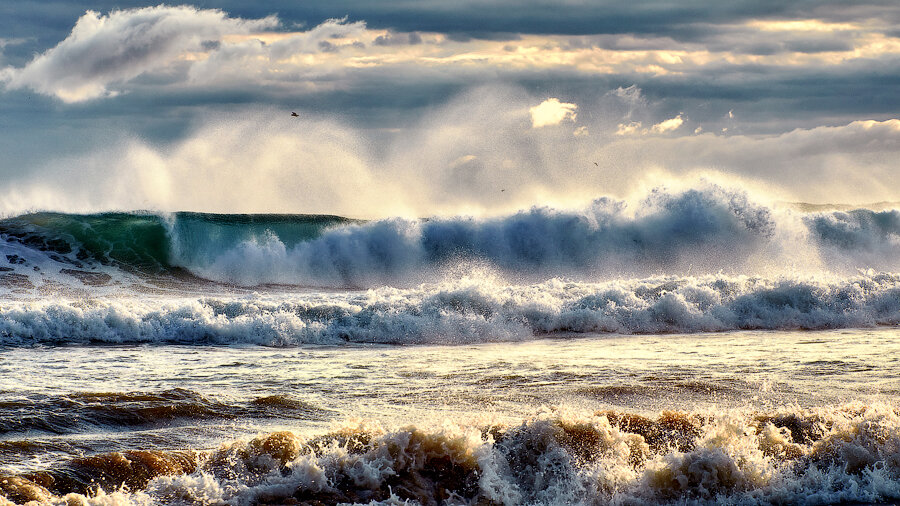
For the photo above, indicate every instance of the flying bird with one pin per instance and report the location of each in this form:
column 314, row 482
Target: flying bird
column 597, row 164
column 294, row 114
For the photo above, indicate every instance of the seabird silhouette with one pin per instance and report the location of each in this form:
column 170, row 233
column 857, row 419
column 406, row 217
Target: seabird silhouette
column 294, row 114
column 597, row 164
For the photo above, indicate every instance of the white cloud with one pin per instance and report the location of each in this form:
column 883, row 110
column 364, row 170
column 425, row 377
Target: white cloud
column 104, row 50
column 552, row 112
column 631, row 94
column 630, row 128
column 10, row 42
column 288, row 58
column 7, row 73
column 635, row 127
column 669, row 125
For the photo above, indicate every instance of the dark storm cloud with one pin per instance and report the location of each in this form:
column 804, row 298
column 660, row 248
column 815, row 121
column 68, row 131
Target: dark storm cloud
column 817, row 45
column 398, row 39
column 682, row 20
column 49, row 22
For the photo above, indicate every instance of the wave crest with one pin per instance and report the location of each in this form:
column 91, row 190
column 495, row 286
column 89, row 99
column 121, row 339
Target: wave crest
column 668, row 231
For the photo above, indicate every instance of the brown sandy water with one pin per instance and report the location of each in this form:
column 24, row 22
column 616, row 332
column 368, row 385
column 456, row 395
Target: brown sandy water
column 743, row 417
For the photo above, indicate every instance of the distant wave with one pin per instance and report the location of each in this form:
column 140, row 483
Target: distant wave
column 473, row 310
column 698, row 231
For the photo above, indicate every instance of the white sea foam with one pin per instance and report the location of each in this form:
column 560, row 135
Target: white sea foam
column 837, row 454
column 699, row 260
column 667, row 231
column 475, row 309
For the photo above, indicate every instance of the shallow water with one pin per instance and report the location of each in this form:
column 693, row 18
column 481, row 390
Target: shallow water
column 60, row 403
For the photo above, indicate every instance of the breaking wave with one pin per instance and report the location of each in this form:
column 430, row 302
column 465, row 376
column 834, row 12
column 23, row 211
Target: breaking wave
column 698, row 231
column 844, row 454
column 700, row 260
column 473, row 309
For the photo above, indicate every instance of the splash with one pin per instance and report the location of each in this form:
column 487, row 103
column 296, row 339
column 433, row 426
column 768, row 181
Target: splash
column 832, row 454
column 468, row 311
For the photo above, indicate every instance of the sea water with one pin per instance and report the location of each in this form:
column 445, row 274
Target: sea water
column 698, row 346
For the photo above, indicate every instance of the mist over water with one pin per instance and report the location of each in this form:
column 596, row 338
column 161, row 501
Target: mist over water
column 479, row 153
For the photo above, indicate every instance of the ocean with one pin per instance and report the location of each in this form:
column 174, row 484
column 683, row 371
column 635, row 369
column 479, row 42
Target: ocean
column 694, row 346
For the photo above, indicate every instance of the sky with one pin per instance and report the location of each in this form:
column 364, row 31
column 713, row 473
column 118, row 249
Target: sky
column 422, row 107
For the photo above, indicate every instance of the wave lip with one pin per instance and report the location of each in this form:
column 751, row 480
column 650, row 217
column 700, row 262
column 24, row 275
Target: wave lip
column 146, row 244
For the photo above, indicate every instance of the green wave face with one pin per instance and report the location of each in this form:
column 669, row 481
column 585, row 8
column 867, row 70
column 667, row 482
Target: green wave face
column 149, row 243
column 198, row 237
column 138, row 241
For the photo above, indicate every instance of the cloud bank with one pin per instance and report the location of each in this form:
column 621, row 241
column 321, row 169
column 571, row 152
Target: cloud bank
column 189, row 50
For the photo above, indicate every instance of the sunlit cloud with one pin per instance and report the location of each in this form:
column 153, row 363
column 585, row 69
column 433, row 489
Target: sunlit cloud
column 668, row 125
column 631, row 128
column 552, row 112
column 665, row 126
column 181, row 48
column 802, row 25
column 121, row 46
